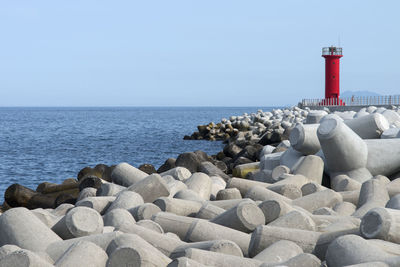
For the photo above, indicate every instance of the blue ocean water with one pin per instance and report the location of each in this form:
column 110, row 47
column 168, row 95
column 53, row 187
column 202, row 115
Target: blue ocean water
column 52, row 144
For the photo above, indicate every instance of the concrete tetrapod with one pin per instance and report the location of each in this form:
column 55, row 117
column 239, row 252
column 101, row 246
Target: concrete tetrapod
column 383, row 156
column 229, row 203
column 264, row 236
column 126, row 200
column 126, row 175
column 245, row 217
column 132, row 250
column 7, row 249
column 151, row 188
column 109, row 189
column 278, row 171
column 370, row 126
column 202, row 230
column 342, row 222
column 343, row 182
column 279, row 252
column 274, row 209
column 393, row 187
column 324, row 198
column 18, row 226
column 373, row 191
column 310, row 188
column 295, row 219
column 381, row 223
column 394, row 202
column 362, row 112
column 270, row 161
column 244, row 185
column 326, row 239
column 78, row 222
column 175, row 186
column 323, row 221
column 212, row 170
column 62, row 209
column 201, row 184
column 217, row 184
column 290, row 191
column 351, row 196
column 309, row 241
column 325, row 211
column 390, row 133
column 56, row 249
column 100, row 204
column 83, row 253
column 169, row 179
column 144, row 211
column 118, row 218
column 229, row 193
column 23, row 258
column 370, row 264
column 188, row 194
column 359, row 159
column 174, row 223
column 221, row 246
column 90, row 182
column 345, row 152
column 382, row 178
column 87, row 192
column 345, row 208
column 243, row 169
column 391, row 116
column 389, row 247
column 297, row 180
column 261, row 193
column 373, row 194
column 162, row 242
column 353, row 249
column 209, row 258
column 179, row 173
column 266, row 150
column 149, row 224
column 303, row 138
column 301, row 260
column 311, row 167
column 371, row 109
column 314, row 116
column 108, row 229
column 290, row 158
column 178, row 206
column 46, row 217
column 186, row 262
column 209, row 211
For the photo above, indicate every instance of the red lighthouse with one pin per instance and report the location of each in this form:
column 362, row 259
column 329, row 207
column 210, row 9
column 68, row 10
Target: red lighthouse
column 332, row 57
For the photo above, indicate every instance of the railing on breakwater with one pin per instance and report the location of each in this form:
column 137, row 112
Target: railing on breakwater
column 354, row 101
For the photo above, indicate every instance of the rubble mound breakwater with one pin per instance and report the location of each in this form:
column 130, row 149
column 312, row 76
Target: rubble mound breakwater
column 292, row 187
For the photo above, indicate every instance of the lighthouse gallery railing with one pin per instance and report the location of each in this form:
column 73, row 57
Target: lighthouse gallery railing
column 354, row 101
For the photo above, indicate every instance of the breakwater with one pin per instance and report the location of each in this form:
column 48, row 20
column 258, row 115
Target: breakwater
column 291, row 187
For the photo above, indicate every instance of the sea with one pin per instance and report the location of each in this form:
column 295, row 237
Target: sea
column 51, row 144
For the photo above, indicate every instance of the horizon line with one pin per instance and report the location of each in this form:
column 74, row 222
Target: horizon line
column 145, row 106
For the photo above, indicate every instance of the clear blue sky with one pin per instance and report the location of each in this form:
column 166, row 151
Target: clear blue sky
column 185, row 53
